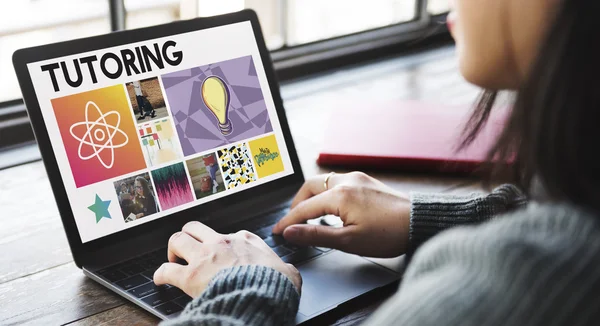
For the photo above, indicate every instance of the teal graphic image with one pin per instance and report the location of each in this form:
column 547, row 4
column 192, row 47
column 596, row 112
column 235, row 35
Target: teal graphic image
column 100, row 208
column 265, row 155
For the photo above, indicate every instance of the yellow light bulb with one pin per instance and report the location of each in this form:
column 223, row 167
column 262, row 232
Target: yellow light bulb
column 215, row 95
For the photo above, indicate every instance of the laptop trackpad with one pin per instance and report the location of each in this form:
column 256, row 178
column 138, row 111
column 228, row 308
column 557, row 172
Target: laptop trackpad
column 337, row 278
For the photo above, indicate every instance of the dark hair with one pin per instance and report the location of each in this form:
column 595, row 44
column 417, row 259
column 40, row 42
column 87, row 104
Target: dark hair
column 554, row 123
column 145, row 186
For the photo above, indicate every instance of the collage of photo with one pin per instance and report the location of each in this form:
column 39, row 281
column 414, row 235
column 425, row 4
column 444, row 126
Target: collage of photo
column 194, row 136
column 199, row 177
column 159, row 142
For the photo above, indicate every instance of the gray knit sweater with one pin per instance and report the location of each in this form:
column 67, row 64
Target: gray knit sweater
column 537, row 265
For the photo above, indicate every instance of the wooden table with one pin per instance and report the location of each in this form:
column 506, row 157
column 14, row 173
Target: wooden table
column 40, row 285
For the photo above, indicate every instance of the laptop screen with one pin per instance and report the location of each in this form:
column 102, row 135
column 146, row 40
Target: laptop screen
column 144, row 130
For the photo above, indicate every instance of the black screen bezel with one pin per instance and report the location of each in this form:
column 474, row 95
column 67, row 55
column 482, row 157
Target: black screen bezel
column 23, row 57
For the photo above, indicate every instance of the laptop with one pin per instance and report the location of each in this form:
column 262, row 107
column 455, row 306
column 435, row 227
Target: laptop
column 144, row 130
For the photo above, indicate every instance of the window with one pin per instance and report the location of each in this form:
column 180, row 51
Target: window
column 300, row 33
column 286, row 23
column 315, row 20
column 27, row 23
column 436, row 7
column 143, row 13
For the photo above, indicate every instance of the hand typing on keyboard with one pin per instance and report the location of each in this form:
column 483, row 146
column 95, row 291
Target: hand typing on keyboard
column 207, row 252
column 375, row 217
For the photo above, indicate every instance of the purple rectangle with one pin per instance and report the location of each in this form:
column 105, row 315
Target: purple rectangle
column 197, row 127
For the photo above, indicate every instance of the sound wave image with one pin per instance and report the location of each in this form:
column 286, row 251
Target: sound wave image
column 172, row 186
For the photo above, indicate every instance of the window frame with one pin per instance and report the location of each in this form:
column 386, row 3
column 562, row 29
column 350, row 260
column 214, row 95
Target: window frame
column 290, row 62
column 329, row 47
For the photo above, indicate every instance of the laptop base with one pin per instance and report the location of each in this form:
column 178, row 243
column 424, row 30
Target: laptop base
column 345, row 276
column 336, row 278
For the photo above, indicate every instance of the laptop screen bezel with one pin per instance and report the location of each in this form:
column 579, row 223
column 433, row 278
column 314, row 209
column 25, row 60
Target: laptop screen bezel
column 23, row 57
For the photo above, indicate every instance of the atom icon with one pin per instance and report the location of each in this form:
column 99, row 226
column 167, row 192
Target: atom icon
column 96, row 133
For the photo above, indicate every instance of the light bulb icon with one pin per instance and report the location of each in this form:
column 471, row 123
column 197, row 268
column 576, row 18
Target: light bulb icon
column 215, row 95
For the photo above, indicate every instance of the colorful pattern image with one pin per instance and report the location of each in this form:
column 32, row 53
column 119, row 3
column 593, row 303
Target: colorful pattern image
column 136, row 197
column 147, row 100
column 172, row 186
column 236, row 164
column 206, row 175
column 159, row 141
column 216, row 104
column 99, row 134
column 266, row 156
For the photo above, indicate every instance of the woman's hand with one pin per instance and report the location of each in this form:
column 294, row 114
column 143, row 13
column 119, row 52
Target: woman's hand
column 207, row 252
column 376, row 218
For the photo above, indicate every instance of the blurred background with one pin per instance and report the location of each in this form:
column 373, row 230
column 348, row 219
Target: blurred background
column 305, row 37
column 286, row 23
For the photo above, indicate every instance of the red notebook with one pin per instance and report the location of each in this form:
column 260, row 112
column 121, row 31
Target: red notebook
column 404, row 135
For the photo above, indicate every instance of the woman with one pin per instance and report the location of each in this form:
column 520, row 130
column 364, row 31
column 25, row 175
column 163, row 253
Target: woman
column 144, row 199
column 504, row 261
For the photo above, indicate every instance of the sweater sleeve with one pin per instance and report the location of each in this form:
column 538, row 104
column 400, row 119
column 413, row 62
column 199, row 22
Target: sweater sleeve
column 433, row 213
column 536, row 266
column 243, row 295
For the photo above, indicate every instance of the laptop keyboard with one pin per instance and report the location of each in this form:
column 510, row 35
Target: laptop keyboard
column 135, row 276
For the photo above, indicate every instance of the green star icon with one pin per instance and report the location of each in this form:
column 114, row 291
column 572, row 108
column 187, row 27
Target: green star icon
column 100, row 208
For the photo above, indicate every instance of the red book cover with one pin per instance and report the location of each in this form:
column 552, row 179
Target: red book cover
column 404, row 135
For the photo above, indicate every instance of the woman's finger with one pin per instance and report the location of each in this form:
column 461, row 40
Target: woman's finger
column 315, row 186
column 317, row 206
column 200, row 232
column 182, row 245
column 319, row 236
column 169, row 273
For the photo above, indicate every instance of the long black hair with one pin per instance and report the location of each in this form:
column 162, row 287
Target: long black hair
column 555, row 120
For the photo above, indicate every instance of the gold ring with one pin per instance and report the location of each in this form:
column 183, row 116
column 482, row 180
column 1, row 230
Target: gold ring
column 325, row 184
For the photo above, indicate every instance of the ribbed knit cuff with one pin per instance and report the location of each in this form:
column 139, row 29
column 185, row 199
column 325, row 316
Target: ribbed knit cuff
column 433, row 213
column 250, row 295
